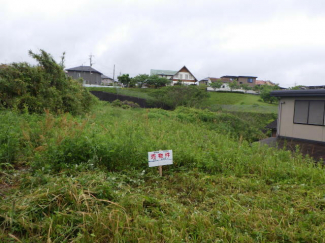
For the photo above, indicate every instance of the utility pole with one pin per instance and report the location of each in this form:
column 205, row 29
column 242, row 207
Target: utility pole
column 114, row 73
column 90, row 60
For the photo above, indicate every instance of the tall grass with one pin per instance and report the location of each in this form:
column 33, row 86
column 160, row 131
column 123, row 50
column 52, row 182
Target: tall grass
column 119, row 139
column 90, row 182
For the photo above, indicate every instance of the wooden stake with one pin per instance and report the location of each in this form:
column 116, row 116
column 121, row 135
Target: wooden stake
column 160, row 166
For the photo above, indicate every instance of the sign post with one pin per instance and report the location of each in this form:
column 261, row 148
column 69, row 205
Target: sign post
column 160, row 158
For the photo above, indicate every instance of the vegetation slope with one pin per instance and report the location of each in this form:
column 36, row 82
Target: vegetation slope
column 226, row 101
column 86, row 179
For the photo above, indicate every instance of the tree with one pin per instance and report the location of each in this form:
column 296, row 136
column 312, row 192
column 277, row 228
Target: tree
column 42, row 87
column 184, row 95
column 298, row 87
column 141, row 79
column 216, row 85
column 233, row 85
column 156, row 81
column 245, row 87
column 257, row 88
column 124, row 79
column 266, row 93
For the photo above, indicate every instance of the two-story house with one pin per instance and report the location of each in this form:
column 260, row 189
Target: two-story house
column 183, row 76
column 249, row 80
column 210, row 80
column 87, row 73
column 163, row 73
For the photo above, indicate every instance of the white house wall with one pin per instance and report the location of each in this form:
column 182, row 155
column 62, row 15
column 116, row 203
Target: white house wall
column 190, row 77
column 166, row 76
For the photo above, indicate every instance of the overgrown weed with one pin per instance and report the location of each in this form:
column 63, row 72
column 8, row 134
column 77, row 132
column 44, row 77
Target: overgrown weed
column 90, row 182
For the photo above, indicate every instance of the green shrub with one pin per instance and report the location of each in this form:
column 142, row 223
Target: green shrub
column 45, row 86
column 180, row 95
column 224, row 123
column 125, row 104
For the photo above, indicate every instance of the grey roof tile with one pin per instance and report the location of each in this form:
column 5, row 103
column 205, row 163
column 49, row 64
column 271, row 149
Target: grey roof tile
column 83, row 69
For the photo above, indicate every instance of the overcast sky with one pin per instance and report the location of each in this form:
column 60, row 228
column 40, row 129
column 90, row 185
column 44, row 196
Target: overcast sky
column 278, row 40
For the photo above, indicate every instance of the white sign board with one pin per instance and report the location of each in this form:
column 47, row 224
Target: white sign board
column 162, row 157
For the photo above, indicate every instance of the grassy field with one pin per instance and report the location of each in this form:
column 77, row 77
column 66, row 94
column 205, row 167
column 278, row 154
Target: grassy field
column 86, row 179
column 239, row 102
column 218, row 100
column 134, row 92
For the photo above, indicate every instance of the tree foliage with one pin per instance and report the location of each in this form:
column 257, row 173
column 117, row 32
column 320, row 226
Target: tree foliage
column 125, row 79
column 180, row 95
column 245, row 87
column 216, row 85
column 233, row 85
column 298, row 87
column 40, row 87
column 265, row 93
column 140, row 79
column 156, row 81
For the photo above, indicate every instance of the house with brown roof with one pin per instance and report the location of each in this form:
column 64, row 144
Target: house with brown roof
column 267, row 82
column 249, row 80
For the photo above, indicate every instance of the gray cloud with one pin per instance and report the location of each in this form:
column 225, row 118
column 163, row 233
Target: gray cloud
column 275, row 40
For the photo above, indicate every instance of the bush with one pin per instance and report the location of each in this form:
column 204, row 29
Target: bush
column 265, row 94
column 45, row 86
column 125, row 104
column 173, row 96
column 222, row 123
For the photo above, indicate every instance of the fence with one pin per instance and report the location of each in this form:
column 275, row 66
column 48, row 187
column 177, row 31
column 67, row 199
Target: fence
column 105, row 96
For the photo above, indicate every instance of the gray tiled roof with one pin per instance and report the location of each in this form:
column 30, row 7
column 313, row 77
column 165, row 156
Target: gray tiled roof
column 299, row 93
column 162, row 72
column 104, row 76
column 83, row 69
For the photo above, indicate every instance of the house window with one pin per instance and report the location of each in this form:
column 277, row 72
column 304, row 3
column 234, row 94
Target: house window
column 316, row 112
column 301, row 112
column 309, row 112
column 250, row 80
column 186, row 76
column 180, row 76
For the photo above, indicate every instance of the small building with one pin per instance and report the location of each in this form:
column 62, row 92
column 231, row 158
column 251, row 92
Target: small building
column 301, row 114
column 107, row 80
column 313, row 87
column 87, row 73
column 183, row 76
column 249, row 80
column 163, row 73
column 210, row 80
column 204, row 81
column 272, row 126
